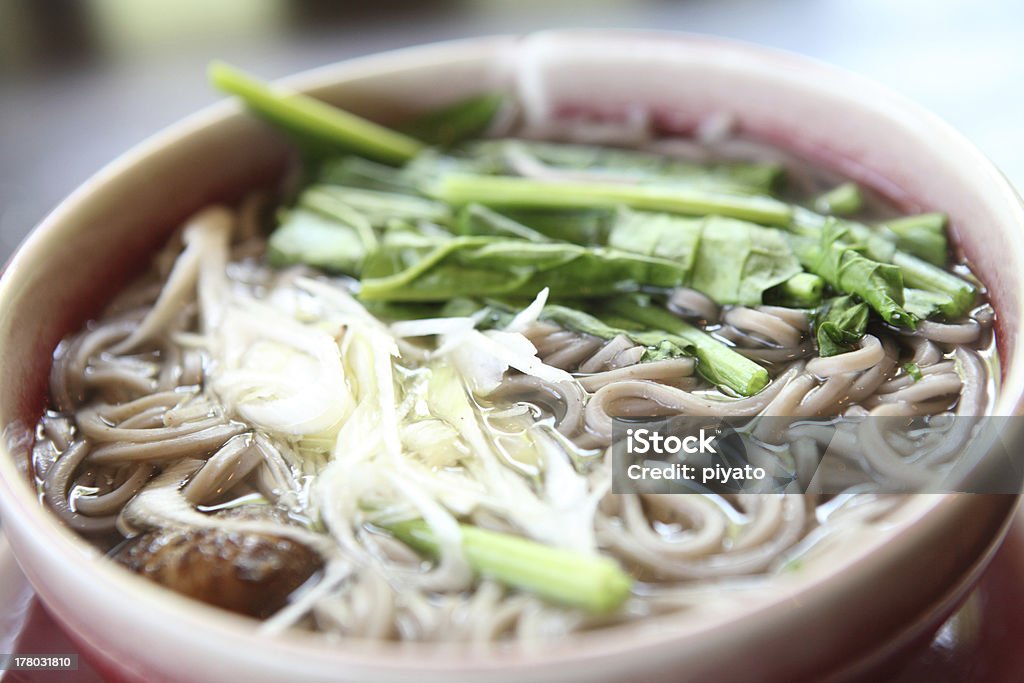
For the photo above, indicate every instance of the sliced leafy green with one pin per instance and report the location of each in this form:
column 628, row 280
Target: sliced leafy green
column 839, row 324
column 502, row 191
column 430, row 164
column 492, row 266
column 590, row 582
column 922, row 275
column 457, row 122
column 310, row 118
column 848, row 271
column 586, row 227
column 477, row 219
column 665, row 336
column 660, row 345
column 913, row 370
column 842, row 200
column 592, row 222
column 658, row 234
column 925, row 304
column 737, row 261
column 377, row 207
column 393, row 310
column 732, row 177
column 803, row 290
column 401, row 248
column 329, row 243
column 732, row 261
column 579, row 321
column 716, row 361
column 355, row 171
column 923, row 235
column 880, row 245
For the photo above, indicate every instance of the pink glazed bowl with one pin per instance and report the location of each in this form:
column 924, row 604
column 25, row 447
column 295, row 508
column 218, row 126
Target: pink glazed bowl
column 839, row 615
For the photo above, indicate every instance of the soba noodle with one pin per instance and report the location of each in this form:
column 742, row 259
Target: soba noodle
column 220, row 393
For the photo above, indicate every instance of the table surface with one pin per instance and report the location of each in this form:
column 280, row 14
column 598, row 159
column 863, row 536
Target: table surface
column 80, row 82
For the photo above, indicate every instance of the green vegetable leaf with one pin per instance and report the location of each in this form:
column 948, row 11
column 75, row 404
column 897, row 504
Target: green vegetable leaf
column 660, row 344
column 922, row 275
column 310, row 118
column 454, row 123
column 658, row 234
column 591, row 582
column 845, row 268
column 477, row 219
column 731, row 261
column 840, row 324
column 880, row 245
column 665, row 336
column 737, row 261
column 402, row 248
column 494, row 266
column 355, row 171
column 803, row 290
column 923, row 235
column 579, row 321
column 509, row 192
column 716, row 361
column 842, row 200
column 586, row 227
column 377, row 207
column 646, row 167
column 924, row 304
column 313, row 239
column 913, row 370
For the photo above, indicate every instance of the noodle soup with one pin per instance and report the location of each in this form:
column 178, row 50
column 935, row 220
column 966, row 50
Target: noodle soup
column 380, row 404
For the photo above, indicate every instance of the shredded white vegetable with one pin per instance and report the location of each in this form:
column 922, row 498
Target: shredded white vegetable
column 386, row 428
column 529, row 315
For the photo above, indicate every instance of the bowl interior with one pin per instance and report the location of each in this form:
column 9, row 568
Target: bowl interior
column 101, row 236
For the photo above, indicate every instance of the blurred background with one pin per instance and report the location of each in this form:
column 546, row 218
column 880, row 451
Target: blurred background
column 83, row 80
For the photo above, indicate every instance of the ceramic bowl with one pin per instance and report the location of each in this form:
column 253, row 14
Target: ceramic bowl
column 847, row 611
